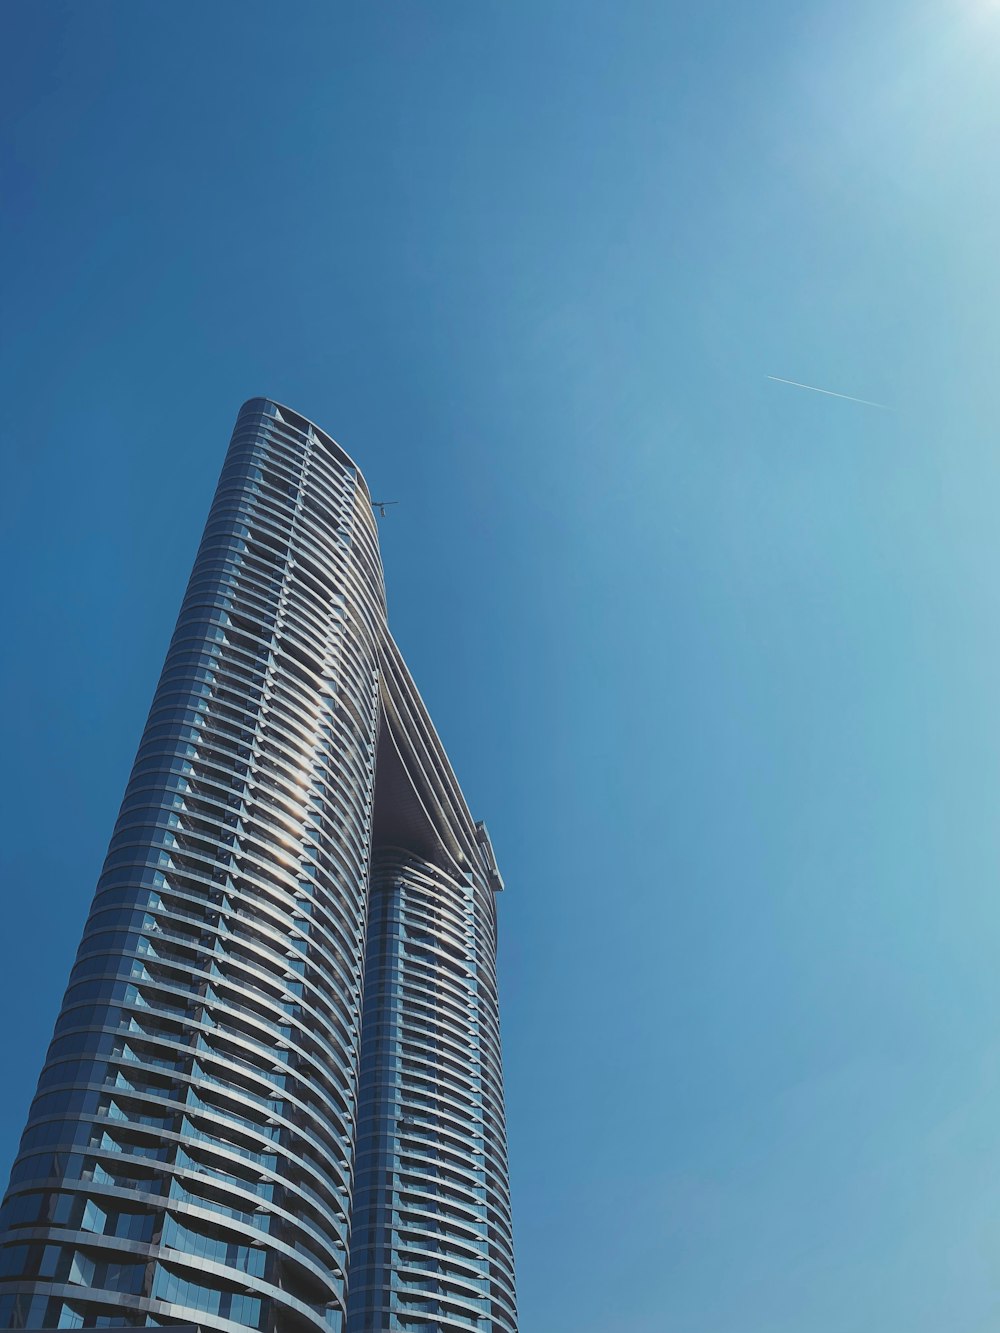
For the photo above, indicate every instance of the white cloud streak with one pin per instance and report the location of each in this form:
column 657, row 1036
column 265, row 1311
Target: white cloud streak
column 865, row 402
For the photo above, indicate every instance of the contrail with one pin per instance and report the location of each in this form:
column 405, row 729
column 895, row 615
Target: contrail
column 883, row 407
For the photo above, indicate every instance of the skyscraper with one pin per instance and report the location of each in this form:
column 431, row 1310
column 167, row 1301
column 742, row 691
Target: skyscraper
column 273, row 1099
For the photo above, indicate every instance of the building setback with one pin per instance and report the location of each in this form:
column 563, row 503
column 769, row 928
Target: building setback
column 273, row 1099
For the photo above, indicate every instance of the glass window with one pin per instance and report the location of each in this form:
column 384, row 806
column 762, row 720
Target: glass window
column 12, row 1260
column 49, row 1261
column 94, row 1218
column 81, row 1269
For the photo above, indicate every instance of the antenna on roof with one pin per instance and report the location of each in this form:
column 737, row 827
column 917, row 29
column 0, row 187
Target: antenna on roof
column 383, row 505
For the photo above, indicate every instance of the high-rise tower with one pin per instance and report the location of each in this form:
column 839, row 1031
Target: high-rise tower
column 273, row 1099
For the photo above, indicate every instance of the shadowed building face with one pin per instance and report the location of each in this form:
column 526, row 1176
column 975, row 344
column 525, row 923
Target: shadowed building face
column 273, row 1099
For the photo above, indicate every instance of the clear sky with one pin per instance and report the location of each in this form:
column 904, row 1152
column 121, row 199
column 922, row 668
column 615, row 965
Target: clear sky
column 716, row 658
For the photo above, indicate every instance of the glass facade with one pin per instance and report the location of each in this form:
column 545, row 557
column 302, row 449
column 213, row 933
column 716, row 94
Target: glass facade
column 431, row 1181
column 273, row 1097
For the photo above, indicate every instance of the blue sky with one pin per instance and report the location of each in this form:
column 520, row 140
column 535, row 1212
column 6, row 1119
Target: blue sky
column 716, row 658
